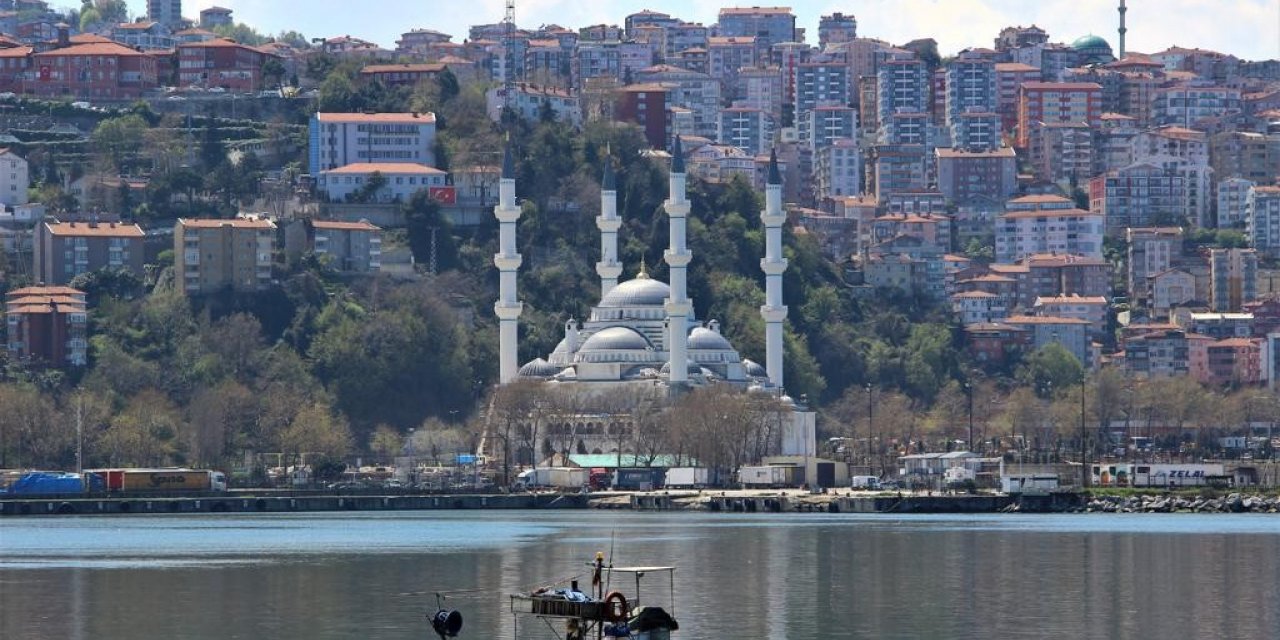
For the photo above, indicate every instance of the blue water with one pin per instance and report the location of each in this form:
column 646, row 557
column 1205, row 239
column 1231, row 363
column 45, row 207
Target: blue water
column 739, row 575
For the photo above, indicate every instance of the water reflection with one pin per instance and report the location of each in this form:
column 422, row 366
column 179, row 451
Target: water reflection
column 739, row 576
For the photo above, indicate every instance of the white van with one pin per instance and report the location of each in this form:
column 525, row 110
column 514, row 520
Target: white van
column 870, row 483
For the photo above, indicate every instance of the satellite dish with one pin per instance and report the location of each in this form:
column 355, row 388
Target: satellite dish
column 447, row 623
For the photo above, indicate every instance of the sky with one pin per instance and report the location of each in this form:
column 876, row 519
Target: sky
column 1249, row 29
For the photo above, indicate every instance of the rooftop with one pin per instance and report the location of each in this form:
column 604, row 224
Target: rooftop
column 396, row 118
column 385, row 167
column 102, row 229
column 219, row 223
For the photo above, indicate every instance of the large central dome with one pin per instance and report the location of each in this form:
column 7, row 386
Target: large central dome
column 639, row 292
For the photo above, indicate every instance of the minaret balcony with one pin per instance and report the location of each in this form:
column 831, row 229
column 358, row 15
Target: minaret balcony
column 773, row 315
column 773, row 267
column 677, row 258
column 508, row 312
column 507, row 262
column 608, row 225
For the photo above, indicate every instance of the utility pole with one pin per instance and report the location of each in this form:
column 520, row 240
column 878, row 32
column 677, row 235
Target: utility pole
column 1084, row 456
column 968, row 387
column 870, row 421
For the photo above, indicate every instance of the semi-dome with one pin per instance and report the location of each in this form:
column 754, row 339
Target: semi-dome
column 753, row 369
column 616, row 339
column 639, row 292
column 538, row 368
column 704, row 339
column 691, row 367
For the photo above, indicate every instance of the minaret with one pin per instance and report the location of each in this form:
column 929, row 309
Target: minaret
column 773, row 265
column 508, row 307
column 678, row 307
column 608, row 268
column 1122, row 9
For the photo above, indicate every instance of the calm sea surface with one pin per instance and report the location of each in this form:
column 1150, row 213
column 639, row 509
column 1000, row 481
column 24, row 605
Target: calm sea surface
column 819, row 576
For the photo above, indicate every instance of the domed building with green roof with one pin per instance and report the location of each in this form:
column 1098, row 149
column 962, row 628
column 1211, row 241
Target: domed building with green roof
column 1093, row 50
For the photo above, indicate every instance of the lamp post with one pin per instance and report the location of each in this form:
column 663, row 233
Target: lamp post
column 870, row 421
column 968, row 389
column 1084, row 455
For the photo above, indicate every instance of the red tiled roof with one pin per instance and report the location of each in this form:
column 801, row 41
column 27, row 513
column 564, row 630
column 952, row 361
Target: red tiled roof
column 425, row 67
column 363, row 225
column 91, row 49
column 103, row 229
column 1043, row 320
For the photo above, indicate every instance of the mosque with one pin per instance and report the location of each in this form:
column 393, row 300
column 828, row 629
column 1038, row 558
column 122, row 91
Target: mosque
column 644, row 333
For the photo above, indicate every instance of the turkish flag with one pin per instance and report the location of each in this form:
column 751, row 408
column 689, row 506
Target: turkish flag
column 443, row 195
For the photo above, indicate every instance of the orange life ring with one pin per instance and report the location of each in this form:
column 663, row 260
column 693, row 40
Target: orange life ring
column 615, row 607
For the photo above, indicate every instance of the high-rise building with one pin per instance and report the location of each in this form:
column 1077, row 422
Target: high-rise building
column 1057, row 102
column 819, row 84
column 902, row 87
column 340, row 139
column 748, row 129
column 1047, row 224
column 1233, row 278
column 1151, row 251
column 1139, row 195
column 166, row 12
column 768, row 25
column 836, row 28
column 972, row 102
column 1262, row 219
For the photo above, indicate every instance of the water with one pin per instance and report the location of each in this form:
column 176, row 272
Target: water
column 818, row 576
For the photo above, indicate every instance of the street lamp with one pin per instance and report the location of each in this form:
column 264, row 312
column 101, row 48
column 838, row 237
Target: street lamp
column 870, row 419
column 968, row 389
column 1084, row 455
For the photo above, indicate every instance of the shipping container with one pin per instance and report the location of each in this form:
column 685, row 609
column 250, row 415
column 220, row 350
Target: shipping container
column 688, row 477
column 639, row 478
column 775, row 476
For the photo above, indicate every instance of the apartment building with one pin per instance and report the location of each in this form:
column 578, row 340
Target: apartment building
column 768, row 25
column 1139, row 195
column 838, row 169
column 340, row 139
column 1233, row 278
column 972, row 102
column 47, row 325
column 1262, row 220
column 64, row 250
column 346, row 247
column 14, row 179
column 967, row 177
column 1232, row 200
column 1057, row 102
column 1047, row 224
column 1151, row 251
column 221, row 63
column 220, row 255
column 1188, row 104
column 166, row 12
column 1092, row 309
column 751, row 130
column 383, row 182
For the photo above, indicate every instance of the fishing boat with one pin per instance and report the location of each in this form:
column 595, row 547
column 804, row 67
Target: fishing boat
column 620, row 602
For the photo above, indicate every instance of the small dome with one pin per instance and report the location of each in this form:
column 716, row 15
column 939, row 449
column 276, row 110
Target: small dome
column 616, row 339
column 1090, row 42
column 703, row 339
column 638, row 292
column 753, row 369
column 538, row 368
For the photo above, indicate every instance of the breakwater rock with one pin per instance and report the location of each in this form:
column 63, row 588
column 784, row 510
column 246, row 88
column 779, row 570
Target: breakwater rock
column 1232, row 503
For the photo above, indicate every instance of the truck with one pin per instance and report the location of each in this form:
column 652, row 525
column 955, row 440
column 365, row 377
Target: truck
column 552, row 478
column 43, row 483
column 1159, row 475
column 771, row 476
column 866, row 483
column 161, row 480
column 639, row 478
column 688, row 477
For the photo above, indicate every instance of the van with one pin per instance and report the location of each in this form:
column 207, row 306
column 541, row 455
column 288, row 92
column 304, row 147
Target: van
column 870, row 483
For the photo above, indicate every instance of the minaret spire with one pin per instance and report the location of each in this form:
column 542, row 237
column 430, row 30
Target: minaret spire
column 508, row 307
column 1123, row 30
column 608, row 222
column 678, row 306
column 773, row 265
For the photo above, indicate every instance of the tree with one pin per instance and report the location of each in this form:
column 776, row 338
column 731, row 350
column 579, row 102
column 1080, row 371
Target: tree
column 1051, row 367
column 385, row 443
column 118, row 139
column 315, row 429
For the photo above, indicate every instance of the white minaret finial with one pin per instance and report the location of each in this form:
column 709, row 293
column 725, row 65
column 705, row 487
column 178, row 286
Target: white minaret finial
column 678, row 256
column 508, row 306
column 608, row 222
column 773, row 265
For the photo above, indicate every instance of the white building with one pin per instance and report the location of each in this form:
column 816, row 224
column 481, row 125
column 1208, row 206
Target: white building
column 1233, row 196
column 1092, row 309
column 1262, row 219
column 399, row 182
column 340, row 139
column 14, row 179
column 838, row 169
column 531, row 100
column 1024, row 232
